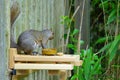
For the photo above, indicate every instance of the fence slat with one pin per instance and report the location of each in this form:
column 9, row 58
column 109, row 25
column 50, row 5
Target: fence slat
column 4, row 38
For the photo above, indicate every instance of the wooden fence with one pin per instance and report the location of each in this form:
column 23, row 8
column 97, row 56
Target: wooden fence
column 35, row 14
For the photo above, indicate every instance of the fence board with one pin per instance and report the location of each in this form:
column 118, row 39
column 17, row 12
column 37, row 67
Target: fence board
column 85, row 31
column 4, row 38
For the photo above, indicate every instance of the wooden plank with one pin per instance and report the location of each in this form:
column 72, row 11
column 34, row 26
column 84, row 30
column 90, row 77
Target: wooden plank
column 29, row 58
column 63, row 75
column 4, row 38
column 18, row 77
column 23, row 72
column 14, row 77
column 25, row 66
column 53, row 72
column 12, row 52
column 69, row 74
column 78, row 63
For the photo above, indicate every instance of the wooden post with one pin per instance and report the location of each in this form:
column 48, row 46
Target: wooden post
column 4, row 38
column 63, row 75
column 13, row 52
column 14, row 77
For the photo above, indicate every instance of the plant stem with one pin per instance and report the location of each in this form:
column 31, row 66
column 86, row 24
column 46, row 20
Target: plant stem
column 116, row 33
column 104, row 22
column 117, row 20
column 66, row 42
column 104, row 17
column 79, row 36
column 68, row 33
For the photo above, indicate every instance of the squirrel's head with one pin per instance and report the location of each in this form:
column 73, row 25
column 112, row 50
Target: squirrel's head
column 49, row 34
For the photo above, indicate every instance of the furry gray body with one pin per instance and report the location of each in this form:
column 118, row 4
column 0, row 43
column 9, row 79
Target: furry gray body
column 29, row 40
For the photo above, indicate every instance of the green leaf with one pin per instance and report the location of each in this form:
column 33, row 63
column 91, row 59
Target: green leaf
column 74, row 77
column 97, row 66
column 74, row 40
column 81, row 42
column 95, row 57
column 94, row 2
column 66, row 21
column 71, row 46
column 105, row 4
column 75, row 32
column 113, row 48
column 101, row 40
column 80, row 77
column 106, row 47
column 87, row 64
column 112, row 16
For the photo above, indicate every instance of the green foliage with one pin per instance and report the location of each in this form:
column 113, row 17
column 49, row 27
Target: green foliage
column 112, row 16
column 111, row 48
column 74, row 77
column 72, row 40
column 106, row 17
column 91, row 66
column 110, row 9
column 66, row 21
column 117, row 66
column 105, row 48
column 103, row 39
column 104, row 12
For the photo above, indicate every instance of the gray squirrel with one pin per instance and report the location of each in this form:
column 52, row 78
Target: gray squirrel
column 32, row 39
column 28, row 40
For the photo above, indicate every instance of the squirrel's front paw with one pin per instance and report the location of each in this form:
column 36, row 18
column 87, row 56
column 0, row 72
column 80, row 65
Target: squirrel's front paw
column 34, row 53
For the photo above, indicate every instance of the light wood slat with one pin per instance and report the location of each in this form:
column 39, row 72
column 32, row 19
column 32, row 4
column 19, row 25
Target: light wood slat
column 26, row 66
column 64, row 58
column 78, row 63
column 12, row 52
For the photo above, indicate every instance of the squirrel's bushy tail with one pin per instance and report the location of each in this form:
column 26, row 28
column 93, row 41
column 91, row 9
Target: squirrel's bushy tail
column 14, row 13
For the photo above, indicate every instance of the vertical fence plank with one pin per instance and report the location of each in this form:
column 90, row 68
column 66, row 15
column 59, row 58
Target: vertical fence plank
column 59, row 10
column 4, row 38
column 85, row 31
